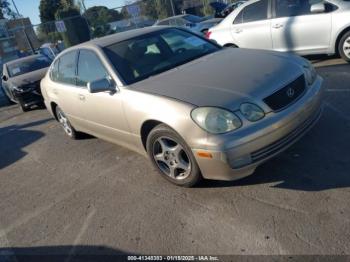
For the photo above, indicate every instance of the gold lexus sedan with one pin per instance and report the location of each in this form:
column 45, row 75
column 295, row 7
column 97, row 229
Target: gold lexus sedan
column 196, row 109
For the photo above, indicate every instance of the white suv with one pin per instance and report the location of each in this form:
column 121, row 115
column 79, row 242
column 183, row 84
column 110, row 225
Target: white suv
column 301, row 26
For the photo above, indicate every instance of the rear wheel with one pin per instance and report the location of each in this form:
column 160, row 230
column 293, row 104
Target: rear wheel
column 66, row 125
column 172, row 157
column 231, row 45
column 344, row 47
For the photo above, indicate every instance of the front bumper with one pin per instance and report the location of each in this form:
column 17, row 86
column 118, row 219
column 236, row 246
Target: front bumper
column 244, row 150
column 29, row 96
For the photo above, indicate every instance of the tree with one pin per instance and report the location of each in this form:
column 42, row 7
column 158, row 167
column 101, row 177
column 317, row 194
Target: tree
column 48, row 9
column 159, row 9
column 77, row 28
column 99, row 18
column 6, row 11
column 207, row 9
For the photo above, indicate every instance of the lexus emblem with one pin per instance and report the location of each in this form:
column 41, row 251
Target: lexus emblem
column 290, row 92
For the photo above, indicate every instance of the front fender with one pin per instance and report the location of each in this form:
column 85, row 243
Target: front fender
column 140, row 107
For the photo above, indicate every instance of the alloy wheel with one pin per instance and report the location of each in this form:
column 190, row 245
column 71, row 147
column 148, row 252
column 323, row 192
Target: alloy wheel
column 346, row 47
column 64, row 123
column 171, row 158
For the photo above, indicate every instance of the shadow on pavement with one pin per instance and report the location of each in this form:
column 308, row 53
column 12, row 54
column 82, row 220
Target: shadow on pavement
column 14, row 138
column 62, row 253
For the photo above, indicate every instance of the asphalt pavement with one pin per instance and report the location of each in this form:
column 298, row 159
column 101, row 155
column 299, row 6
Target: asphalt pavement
column 92, row 197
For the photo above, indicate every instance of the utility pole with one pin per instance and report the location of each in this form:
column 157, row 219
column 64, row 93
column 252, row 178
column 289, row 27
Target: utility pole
column 24, row 29
column 83, row 5
column 172, row 7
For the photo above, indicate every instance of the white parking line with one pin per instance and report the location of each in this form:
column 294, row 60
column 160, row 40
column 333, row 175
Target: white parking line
column 80, row 234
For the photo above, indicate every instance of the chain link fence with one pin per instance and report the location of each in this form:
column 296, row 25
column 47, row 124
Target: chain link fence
column 99, row 21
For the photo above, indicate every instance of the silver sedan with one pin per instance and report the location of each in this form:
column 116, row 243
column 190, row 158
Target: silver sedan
column 197, row 110
column 304, row 27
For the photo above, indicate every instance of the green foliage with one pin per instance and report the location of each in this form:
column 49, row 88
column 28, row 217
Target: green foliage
column 48, row 9
column 207, row 9
column 6, row 11
column 77, row 28
column 52, row 37
column 160, row 9
column 99, row 17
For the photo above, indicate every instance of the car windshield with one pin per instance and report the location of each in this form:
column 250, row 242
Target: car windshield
column 151, row 54
column 23, row 67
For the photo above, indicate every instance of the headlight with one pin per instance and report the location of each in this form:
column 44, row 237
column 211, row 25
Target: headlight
column 310, row 73
column 215, row 120
column 252, row 112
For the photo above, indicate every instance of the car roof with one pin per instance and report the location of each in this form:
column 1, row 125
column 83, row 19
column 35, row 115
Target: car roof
column 173, row 17
column 116, row 38
column 23, row 59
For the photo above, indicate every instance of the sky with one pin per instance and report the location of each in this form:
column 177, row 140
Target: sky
column 30, row 8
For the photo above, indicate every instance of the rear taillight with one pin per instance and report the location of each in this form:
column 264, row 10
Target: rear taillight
column 207, row 34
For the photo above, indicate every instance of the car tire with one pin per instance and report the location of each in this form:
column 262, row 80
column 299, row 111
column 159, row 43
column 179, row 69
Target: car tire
column 231, row 46
column 23, row 107
column 172, row 157
column 344, row 47
column 66, row 125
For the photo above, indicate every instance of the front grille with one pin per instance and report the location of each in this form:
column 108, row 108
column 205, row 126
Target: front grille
column 287, row 95
column 285, row 141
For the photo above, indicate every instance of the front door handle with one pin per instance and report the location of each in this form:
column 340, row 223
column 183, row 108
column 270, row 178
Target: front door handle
column 81, row 97
column 277, row 26
column 238, row 31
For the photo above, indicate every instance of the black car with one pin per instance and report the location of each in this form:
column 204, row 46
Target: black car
column 229, row 9
column 21, row 80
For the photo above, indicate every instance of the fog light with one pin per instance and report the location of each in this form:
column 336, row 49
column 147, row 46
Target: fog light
column 241, row 161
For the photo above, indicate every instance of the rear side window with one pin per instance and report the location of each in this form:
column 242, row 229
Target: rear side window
column 90, row 68
column 67, row 68
column 254, row 12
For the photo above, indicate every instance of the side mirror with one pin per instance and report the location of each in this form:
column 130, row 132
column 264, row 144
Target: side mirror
column 318, row 8
column 5, row 78
column 101, row 85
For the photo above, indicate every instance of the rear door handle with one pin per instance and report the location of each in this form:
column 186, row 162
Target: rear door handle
column 81, row 97
column 238, row 31
column 277, row 26
column 55, row 91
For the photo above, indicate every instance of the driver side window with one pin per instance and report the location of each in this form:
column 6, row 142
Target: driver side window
column 90, row 68
column 290, row 8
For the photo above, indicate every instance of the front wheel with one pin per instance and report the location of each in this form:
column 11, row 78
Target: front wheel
column 66, row 125
column 344, row 47
column 171, row 156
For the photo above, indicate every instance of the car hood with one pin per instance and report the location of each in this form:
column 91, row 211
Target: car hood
column 28, row 78
column 226, row 78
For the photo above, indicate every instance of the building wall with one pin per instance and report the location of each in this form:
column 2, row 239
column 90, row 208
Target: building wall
column 8, row 44
column 16, row 27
